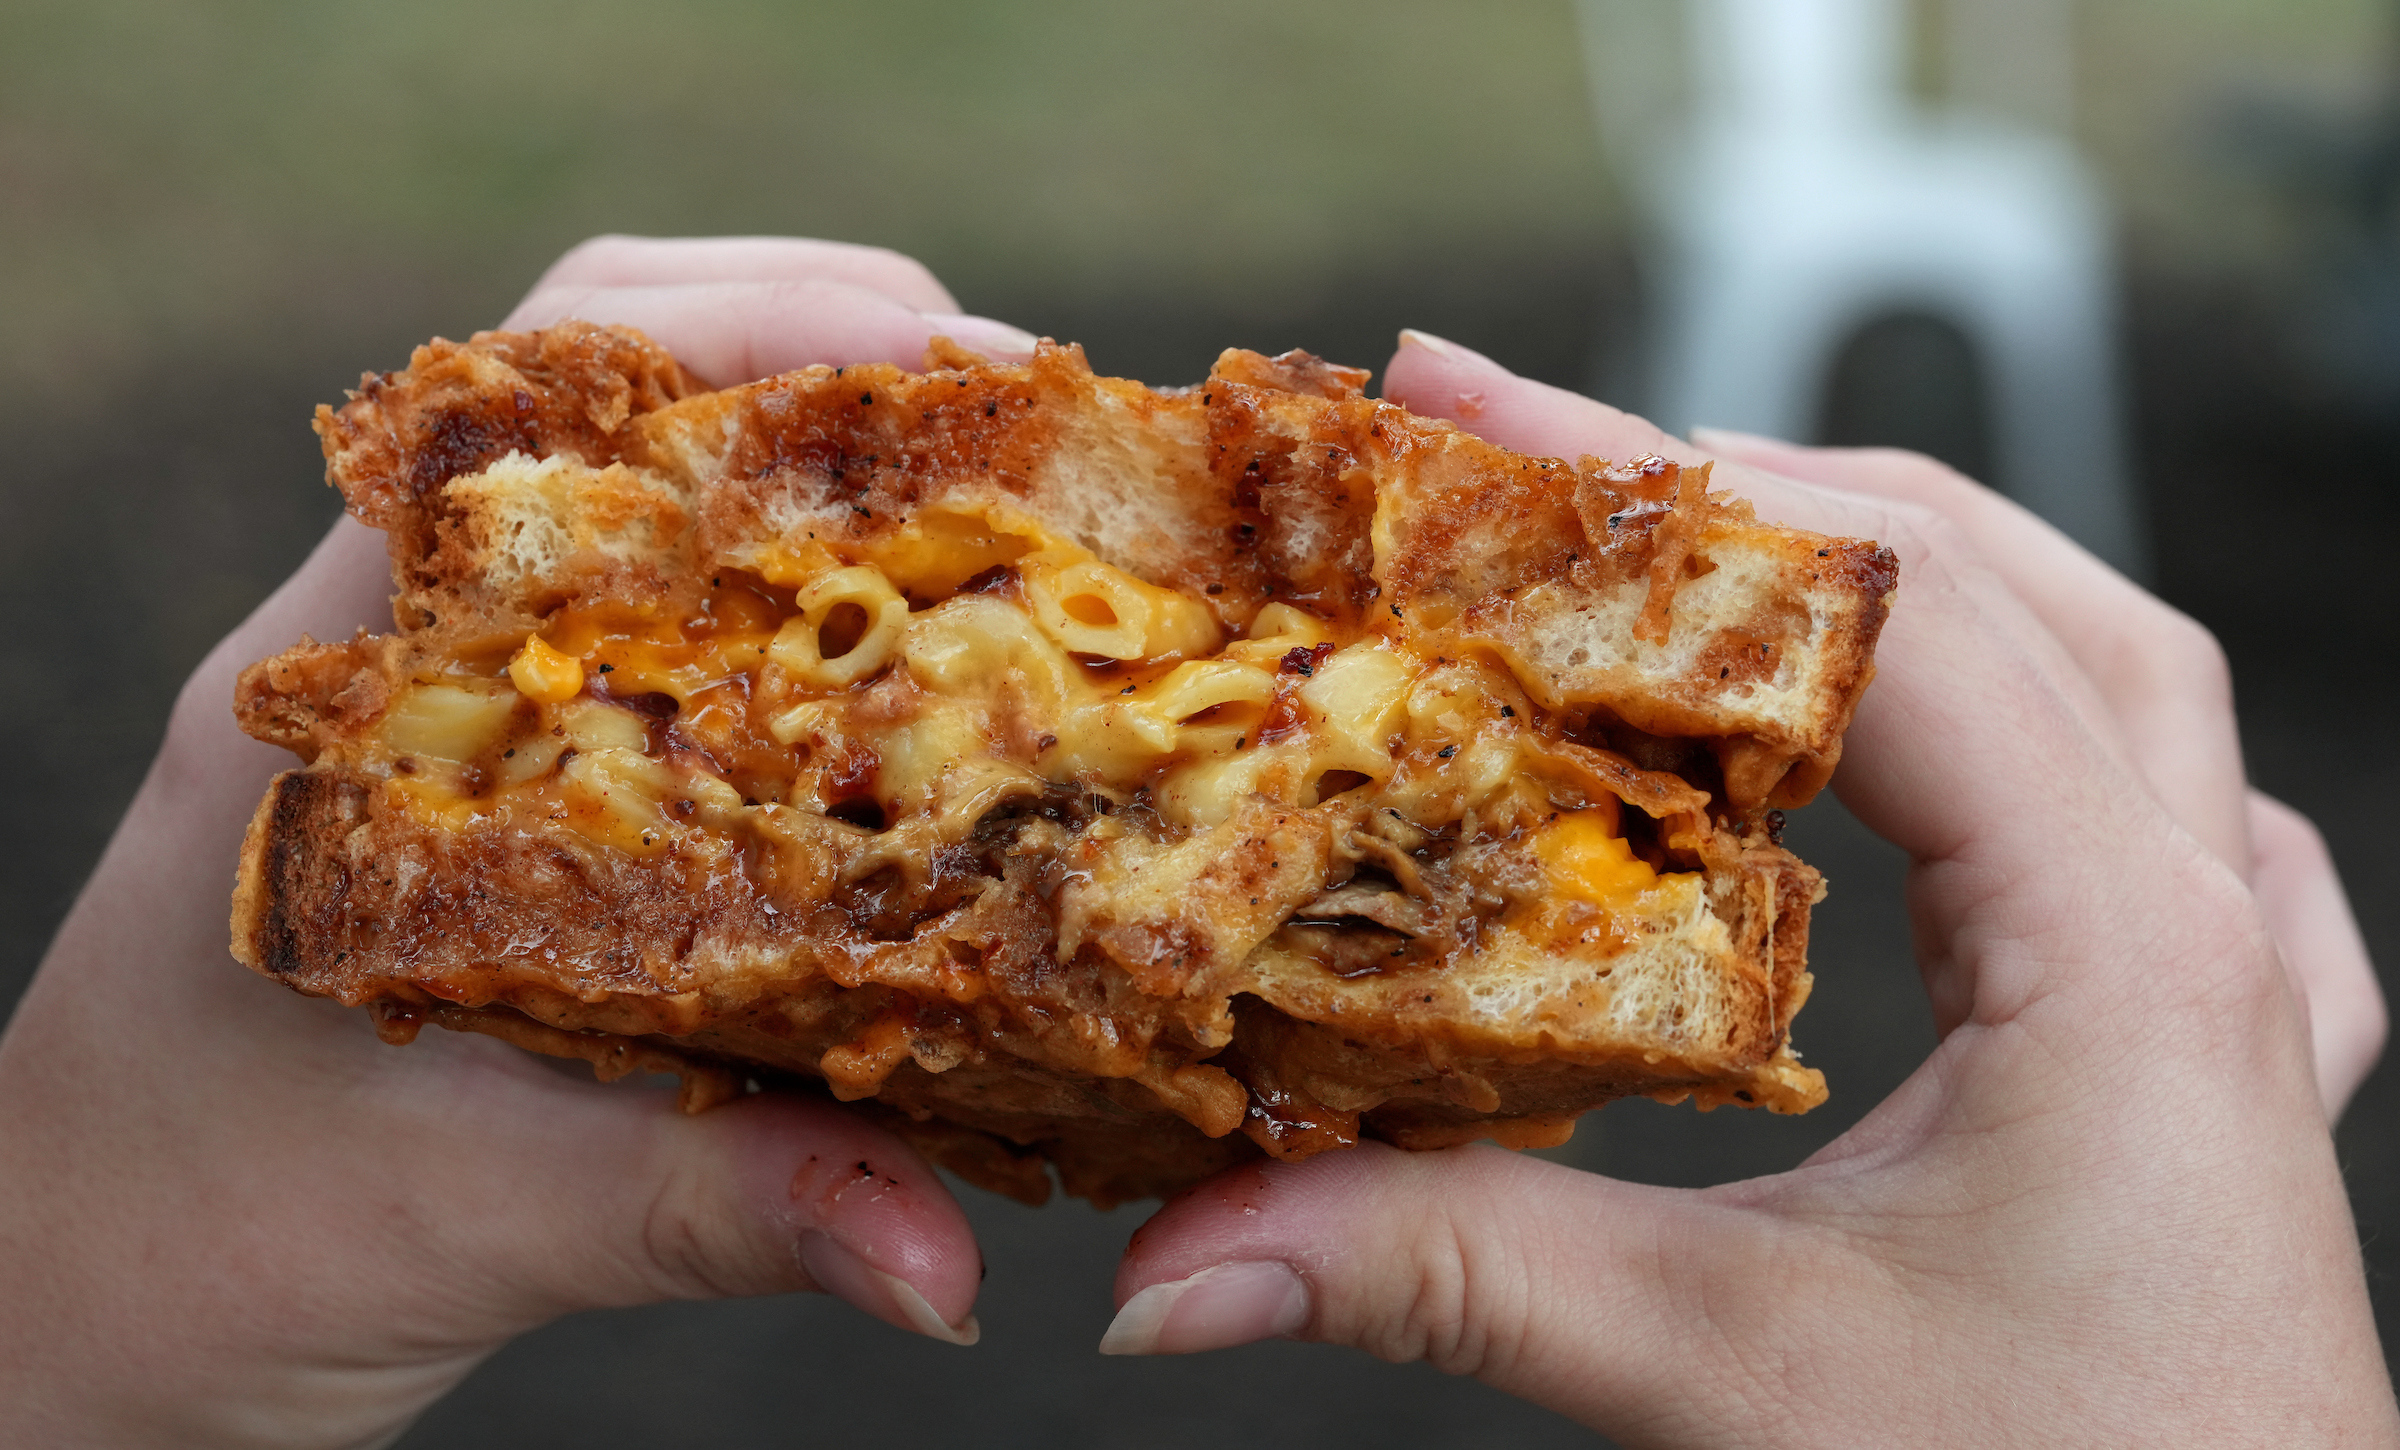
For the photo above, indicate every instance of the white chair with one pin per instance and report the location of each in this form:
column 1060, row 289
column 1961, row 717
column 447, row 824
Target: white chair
column 1792, row 194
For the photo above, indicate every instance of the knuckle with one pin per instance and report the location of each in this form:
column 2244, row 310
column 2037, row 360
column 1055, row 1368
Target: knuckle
column 1461, row 1305
column 1927, row 532
column 677, row 1254
column 2234, row 974
column 2190, row 656
column 2286, row 834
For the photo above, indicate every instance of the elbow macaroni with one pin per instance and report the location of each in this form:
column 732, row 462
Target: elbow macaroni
column 1093, row 608
column 1078, row 674
column 875, row 616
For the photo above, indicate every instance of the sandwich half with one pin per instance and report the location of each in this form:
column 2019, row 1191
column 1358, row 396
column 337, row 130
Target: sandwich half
column 1078, row 776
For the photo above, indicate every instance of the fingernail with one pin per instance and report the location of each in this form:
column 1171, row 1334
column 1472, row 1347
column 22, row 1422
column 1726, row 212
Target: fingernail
column 888, row 1297
column 1214, row 1309
column 982, row 334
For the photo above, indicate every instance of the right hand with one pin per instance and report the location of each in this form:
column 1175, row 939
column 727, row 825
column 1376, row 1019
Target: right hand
column 2104, row 1211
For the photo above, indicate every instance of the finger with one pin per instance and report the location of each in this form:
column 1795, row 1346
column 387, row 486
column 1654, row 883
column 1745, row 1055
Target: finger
column 2161, row 675
column 1441, row 379
column 1572, row 1290
column 622, row 261
column 734, row 332
column 570, row 1195
column 2309, row 914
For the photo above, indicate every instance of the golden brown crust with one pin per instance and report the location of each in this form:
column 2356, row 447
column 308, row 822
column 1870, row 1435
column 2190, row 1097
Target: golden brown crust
column 1020, row 953
column 569, row 389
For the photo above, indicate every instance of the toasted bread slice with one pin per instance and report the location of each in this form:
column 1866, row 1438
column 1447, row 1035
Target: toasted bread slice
column 1133, row 780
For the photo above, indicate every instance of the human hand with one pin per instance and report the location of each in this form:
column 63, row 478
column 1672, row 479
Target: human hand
column 2104, row 1211
column 234, row 1217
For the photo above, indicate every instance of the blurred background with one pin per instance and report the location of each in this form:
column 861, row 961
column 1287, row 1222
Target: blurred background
column 2137, row 261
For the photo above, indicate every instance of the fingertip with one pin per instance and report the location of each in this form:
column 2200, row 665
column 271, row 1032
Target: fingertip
column 995, row 340
column 1427, row 374
column 1444, row 350
column 867, row 1217
column 1437, row 378
column 588, row 261
column 1217, row 1308
column 888, row 1297
column 548, row 302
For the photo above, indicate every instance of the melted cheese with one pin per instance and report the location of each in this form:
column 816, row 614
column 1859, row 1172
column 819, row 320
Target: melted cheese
column 1584, row 857
column 882, row 697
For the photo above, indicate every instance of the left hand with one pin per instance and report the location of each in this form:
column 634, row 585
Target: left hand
column 234, row 1217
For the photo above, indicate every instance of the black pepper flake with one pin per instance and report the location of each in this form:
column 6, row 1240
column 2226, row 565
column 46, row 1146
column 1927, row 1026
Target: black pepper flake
column 866, row 400
column 717, row 582
column 1723, row 671
column 1241, row 742
column 1821, row 553
column 509, row 754
column 1044, row 743
column 608, row 669
column 1508, row 712
column 990, row 409
column 1126, row 691
column 1447, row 751
column 862, row 511
column 1216, row 588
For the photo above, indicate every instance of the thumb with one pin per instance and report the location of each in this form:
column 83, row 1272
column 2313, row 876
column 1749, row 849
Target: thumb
column 576, row 1196
column 1561, row 1287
